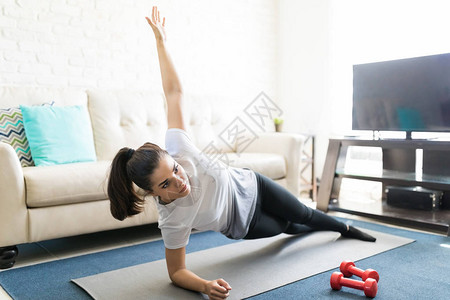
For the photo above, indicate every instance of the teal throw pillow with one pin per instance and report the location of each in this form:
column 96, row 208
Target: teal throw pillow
column 13, row 133
column 58, row 134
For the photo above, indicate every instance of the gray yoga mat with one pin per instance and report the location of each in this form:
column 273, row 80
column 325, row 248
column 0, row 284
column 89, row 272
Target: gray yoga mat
column 250, row 267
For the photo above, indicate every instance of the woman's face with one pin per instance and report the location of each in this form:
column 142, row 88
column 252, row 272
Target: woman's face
column 170, row 181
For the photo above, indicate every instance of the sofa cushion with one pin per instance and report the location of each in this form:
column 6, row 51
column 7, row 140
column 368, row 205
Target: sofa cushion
column 12, row 132
column 12, row 96
column 126, row 119
column 208, row 119
column 66, row 184
column 268, row 164
column 59, row 135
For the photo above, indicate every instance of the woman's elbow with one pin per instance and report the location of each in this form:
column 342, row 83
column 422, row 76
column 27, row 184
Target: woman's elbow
column 174, row 275
column 172, row 279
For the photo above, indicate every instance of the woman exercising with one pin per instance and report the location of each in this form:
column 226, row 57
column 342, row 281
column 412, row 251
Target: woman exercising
column 239, row 203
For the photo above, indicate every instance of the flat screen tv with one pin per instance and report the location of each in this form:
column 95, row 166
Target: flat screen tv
column 411, row 94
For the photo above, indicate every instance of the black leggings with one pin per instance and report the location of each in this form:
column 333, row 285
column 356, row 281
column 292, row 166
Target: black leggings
column 278, row 211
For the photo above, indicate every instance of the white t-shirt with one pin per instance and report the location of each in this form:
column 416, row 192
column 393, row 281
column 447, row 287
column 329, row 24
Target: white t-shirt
column 222, row 198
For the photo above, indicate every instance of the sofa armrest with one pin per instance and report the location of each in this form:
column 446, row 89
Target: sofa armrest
column 13, row 210
column 287, row 144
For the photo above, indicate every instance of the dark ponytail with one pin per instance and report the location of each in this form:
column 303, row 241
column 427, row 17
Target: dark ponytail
column 128, row 167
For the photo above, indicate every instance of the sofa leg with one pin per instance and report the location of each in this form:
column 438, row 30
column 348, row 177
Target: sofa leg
column 8, row 256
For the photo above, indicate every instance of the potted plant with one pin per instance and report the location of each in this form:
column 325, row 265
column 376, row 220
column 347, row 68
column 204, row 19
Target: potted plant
column 278, row 124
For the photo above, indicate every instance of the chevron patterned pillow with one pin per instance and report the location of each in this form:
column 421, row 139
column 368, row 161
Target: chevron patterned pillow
column 12, row 132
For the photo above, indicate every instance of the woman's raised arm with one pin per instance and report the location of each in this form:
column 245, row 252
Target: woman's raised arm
column 171, row 83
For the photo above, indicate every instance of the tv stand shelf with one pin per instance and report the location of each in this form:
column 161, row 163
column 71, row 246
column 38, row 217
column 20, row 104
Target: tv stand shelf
column 398, row 169
column 400, row 178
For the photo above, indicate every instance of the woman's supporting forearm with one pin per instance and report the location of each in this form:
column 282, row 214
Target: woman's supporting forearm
column 189, row 280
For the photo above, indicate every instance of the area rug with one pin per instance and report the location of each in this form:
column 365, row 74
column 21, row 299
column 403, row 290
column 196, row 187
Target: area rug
column 418, row 270
column 250, row 267
column 52, row 280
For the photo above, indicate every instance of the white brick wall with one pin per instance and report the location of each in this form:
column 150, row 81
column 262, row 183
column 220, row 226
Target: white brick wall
column 219, row 47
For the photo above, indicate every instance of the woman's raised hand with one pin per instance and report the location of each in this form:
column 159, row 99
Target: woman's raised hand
column 156, row 25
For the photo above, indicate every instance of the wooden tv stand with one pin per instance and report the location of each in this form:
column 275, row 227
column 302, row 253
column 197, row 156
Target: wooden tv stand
column 399, row 163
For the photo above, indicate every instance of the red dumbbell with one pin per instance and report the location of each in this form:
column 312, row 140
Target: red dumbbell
column 370, row 286
column 348, row 269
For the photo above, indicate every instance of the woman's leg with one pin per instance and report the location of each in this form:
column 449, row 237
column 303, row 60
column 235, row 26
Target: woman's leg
column 295, row 228
column 266, row 224
column 276, row 203
column 280, row 202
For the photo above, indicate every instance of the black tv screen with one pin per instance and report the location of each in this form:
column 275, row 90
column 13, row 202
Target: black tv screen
column 410, row 94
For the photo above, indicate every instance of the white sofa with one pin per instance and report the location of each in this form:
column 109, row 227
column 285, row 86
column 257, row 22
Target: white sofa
column 47, row 202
